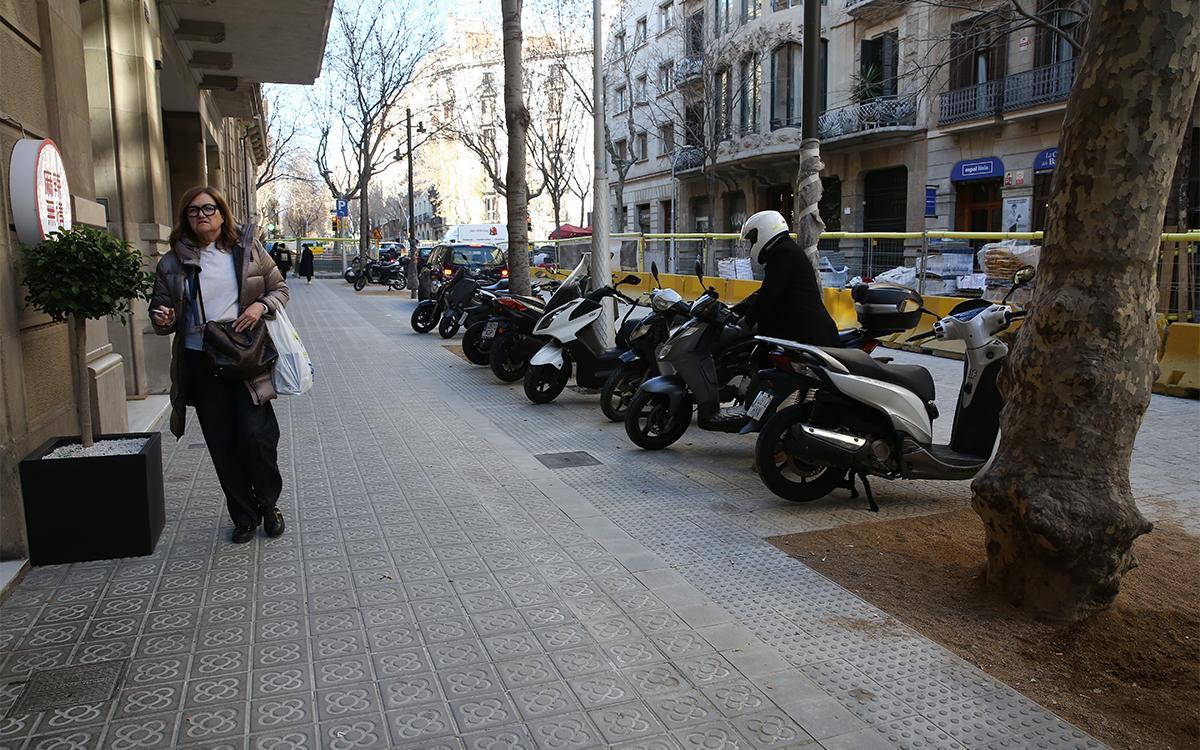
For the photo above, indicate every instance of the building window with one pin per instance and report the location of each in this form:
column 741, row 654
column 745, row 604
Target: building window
column 748, row 95
column 1041, row 200
column 694, row 41
column 721, row 104
column 666, row 139
column 643, row 149
column 666, row 77
column 619, row 43
column 622, row 147
column 489, row 139
column 693, row 124
column 491, row 208
column 786, row 85
column 643, row 214
column 978, row 53
column 721, row 13
column 665, row 11
column 639, row 32
column 878, row 64
column 1053, row 47
column 622, row 99
column 641, row 91
column 750, row 9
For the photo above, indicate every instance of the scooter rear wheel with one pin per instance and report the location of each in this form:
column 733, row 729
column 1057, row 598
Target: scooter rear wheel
column 448, row 327
column 543, row 383
column 652, row 424
column 422, row 320
column 619, row 390
column 506, row 363
column 475, row 348
column 785, row 474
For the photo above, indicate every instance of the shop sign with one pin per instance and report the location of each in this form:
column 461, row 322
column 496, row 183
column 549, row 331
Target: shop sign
column 39, row 195
column 1046, row 161
column 930, row 201
column 1015, row 178
column 977, row 169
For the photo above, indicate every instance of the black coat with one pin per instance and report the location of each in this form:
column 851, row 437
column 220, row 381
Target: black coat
column 306, row 263
column 790, row 305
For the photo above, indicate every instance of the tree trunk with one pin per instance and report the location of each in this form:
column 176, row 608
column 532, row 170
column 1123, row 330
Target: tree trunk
column 556, row 204
column 364, row 216
column 1056, row 505
column 516, row 116
column 83, row 390
column 619, row 202
column 809, row 224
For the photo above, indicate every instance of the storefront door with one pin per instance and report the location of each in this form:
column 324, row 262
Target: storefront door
column 979, row 207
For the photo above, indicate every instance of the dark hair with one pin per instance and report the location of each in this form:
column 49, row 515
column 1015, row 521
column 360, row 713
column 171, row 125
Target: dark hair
column 183, row 228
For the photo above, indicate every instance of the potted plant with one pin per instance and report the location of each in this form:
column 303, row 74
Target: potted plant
column 105, row 499
column 867, row 86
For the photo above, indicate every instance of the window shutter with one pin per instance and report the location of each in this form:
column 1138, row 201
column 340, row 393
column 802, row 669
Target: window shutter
column 962, row 49
column 997, row 54
column 890, row 54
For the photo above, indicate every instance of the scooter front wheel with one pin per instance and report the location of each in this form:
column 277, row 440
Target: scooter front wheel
column 782, row 470
column 422, row 318
column 448, row 327
column 652, row 423
column 618, row 391
column 506, row 362
column 543, row 383
column 360, row 283
column 475, row 347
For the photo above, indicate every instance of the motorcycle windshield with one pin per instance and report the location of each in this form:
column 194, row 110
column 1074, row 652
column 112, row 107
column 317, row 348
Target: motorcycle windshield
column 569, row 289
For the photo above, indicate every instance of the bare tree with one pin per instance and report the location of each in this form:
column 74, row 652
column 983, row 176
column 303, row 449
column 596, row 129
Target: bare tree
column 516, row 118
column 371, row 62
column 479, row 127
column 304, row 205
column 1056, row 504
column 282, row 142
column 555, row 136
column 580, row 185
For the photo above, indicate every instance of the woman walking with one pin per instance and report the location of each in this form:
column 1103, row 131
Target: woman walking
column 282, row 257
column 305, row 268
column 234, row 279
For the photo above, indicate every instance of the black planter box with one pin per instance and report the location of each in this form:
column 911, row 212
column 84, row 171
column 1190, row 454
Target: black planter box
column 96, row 508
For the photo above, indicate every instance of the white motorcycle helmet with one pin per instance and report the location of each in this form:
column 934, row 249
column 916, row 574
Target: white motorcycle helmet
column 761, row 230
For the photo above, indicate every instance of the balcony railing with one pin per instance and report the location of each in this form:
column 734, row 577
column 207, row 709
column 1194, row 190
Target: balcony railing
column 971, row 103
column 1039, row 86
column 882, row 112
column 687, row 157
column 688, row 68
column 1031, row 88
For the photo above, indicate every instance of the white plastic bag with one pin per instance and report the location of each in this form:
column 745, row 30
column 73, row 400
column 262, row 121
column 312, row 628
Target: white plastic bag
column 293, row 374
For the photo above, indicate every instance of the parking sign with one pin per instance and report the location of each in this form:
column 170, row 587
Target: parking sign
column 343, row 207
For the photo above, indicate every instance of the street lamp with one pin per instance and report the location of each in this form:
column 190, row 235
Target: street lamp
column 412, row 230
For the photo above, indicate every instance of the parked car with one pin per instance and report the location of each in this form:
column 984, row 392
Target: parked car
column 481, row 260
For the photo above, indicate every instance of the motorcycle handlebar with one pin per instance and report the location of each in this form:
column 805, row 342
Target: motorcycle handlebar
column 921, row 336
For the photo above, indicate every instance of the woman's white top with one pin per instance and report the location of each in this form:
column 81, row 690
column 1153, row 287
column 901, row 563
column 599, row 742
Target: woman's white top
column 218, row 285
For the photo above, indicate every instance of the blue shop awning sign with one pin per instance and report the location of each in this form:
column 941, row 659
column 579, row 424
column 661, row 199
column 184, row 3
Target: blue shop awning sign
column 1046, row 160
column 987, row 168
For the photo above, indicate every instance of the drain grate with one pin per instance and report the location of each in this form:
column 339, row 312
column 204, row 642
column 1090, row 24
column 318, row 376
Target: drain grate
column 567, row 460
column 69, row 686
column 196, row 445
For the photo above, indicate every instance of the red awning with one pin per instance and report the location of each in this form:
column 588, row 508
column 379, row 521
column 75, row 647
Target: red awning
column 567, row 231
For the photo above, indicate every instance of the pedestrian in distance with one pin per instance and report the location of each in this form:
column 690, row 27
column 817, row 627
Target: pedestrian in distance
column 215, row 266
column 305, row 268
column 283, row 258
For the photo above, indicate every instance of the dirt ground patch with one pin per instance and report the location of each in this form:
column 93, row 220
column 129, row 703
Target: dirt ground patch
column 1130, row 676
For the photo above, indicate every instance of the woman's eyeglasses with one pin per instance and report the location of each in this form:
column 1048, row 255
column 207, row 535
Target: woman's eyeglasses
column 208, row 209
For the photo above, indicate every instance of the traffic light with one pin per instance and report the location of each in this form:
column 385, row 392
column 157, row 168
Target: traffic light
column 333, row 223
column 528, row 224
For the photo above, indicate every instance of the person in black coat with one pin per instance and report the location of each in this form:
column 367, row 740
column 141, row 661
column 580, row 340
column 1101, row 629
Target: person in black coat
column 282, row 257
column 790, row 304
column 305, row 268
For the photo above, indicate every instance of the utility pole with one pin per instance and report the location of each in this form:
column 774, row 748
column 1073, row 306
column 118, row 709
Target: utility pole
column 412, row 226
column 601, row 273
column 809, row 226
column 811, row 108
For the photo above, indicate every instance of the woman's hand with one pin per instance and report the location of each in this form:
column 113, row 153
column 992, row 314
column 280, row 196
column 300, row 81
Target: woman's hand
column 249, row 317
column 163, row 316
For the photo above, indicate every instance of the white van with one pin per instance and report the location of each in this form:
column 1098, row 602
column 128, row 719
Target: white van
column 493, row 234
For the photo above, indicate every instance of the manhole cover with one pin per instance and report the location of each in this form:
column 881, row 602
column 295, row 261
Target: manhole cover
column 567, row 460
column 69, row 686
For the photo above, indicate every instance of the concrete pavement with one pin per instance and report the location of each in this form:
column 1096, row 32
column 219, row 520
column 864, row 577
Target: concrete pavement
column 440, row 587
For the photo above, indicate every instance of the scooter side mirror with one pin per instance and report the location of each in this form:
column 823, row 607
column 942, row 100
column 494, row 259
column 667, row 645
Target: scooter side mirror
column 1024, row 275
column 654, row 273
column 631, row 279
column 699, row 268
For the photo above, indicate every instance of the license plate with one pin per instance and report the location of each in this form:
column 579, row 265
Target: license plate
column 761, row 403
column 489, row 330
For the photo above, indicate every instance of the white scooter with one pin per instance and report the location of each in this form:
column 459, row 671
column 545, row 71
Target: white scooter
column 867, row 417
column 575, row 344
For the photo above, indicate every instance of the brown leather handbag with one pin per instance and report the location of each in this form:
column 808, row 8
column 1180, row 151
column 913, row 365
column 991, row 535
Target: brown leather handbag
column 233, row 355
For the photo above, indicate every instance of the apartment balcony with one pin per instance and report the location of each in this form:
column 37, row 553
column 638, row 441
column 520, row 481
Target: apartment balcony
column 874, row 10
column 879, row 117
column 687, row 158
column 689, row 70
column 1039, row 87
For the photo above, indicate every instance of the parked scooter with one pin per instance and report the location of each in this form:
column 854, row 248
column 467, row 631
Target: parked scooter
column 481, row 327
column 574, row 344
column 639, row 360
column 388, row 273
column 513, row 340
column 428, row 312
column 869, row 417
column 707, row 362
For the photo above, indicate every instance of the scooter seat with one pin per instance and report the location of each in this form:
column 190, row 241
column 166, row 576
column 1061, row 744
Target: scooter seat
column 913, row 377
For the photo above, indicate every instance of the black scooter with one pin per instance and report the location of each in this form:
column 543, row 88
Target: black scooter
column 428, row 312
column 510, row 329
